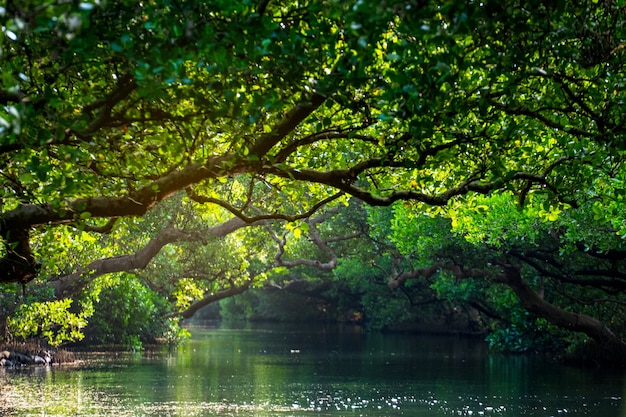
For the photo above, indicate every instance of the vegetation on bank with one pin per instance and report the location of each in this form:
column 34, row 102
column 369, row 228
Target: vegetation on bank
column 24, row 354
column 450, row 163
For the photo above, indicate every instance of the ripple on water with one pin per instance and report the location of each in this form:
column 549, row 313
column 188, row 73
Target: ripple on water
column 17, row 402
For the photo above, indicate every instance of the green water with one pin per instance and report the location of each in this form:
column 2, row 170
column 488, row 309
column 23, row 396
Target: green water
column 316, row 371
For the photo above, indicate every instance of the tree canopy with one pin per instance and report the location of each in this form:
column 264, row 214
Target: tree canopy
column 246, row 112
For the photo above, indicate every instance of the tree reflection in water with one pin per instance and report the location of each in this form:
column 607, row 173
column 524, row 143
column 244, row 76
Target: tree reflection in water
column 329, row 371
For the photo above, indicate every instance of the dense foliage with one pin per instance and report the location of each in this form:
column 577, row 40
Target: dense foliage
column 572, row 260
column 208, row 143
column 126, row 313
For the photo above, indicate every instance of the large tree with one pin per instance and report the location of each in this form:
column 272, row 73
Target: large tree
column 564, row 268
column 272, row 109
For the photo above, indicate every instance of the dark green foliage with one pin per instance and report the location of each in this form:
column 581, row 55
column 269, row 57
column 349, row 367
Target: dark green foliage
column 525, row 333
column 274, row 305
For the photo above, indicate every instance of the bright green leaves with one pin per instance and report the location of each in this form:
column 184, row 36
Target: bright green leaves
column 495, row 220
column 418, row 235
column 447, row 287
column 52, row 321
column 157, row 90
column 101, row 99
column 297, row 228
column 549, row 213
column 498, row 220
column 187, row 291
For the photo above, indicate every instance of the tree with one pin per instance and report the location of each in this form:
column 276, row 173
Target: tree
column 563, row 268
column 272, row 110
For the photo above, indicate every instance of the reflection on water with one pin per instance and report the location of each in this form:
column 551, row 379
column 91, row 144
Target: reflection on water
column 317, row 371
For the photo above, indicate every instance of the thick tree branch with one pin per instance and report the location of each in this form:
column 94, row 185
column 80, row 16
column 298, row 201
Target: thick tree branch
column 272, row 216
column 291, row 120
column 135, row 203
column 533, row 302
column 69, row 284
column 588, row 325
column 344, row 181
column 229, row 292
column 20, row 265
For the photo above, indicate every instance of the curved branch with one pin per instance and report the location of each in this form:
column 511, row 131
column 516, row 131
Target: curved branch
column 138, row 202
column 317, row 240
column 220, row 295
column 344, row 180
column 135, row 203
column 533, row 302
column 252, row 219
column 533, row 114
column 284, row 153
column 291, row 120
column 588, row 325
column 67, row 285
column 20, row 264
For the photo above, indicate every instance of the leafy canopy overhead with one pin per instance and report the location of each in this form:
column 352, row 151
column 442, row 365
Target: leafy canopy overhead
column 274, row 108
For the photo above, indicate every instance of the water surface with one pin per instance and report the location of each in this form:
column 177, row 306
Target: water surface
column 313, row 371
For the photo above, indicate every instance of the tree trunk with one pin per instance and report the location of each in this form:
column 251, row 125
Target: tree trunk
column 612, row 346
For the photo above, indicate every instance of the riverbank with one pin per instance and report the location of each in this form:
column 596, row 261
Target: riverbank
column 30, row 354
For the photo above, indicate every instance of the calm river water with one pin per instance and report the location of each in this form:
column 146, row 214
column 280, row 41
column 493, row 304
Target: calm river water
column 313, row 371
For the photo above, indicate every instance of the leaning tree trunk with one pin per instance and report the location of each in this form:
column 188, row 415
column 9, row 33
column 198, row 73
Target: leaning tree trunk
column 612, row 346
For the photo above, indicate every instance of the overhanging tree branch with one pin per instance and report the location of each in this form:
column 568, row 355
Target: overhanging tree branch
column 20, row 265
column 256, row 218
column 67, row 285
column 532, row 301
column 291, row 120
column 214, row 297
column 588, row 325
column 325, row 135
